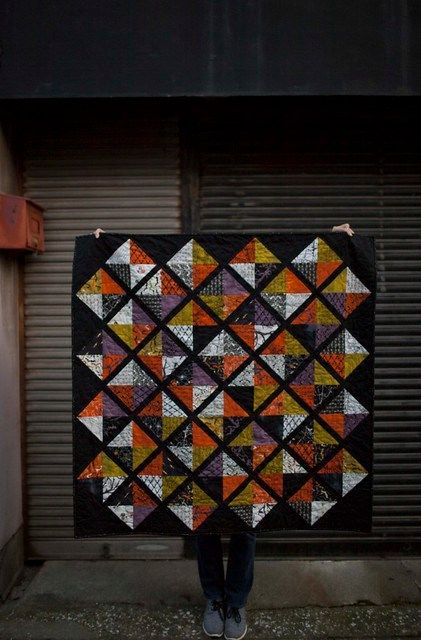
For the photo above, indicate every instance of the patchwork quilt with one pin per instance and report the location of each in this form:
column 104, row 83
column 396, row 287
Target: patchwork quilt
column 222, row 383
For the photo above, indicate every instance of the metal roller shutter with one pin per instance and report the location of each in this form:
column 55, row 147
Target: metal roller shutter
column 306, row 165
column 247, row 164
column 89, row 165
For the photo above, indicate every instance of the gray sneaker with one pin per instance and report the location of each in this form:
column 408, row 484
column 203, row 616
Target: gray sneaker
column 213, row 618
column 235, row 623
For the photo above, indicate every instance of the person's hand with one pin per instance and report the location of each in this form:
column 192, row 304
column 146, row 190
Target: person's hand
column 344, row 227
column 97, row 232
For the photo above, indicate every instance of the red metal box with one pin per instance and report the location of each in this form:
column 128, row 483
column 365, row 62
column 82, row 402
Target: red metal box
column 21, row 224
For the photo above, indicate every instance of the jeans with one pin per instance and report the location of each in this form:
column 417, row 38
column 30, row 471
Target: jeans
column 240, row 567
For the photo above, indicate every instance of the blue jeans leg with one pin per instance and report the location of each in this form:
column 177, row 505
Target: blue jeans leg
column 210, row 565
column 240, row 568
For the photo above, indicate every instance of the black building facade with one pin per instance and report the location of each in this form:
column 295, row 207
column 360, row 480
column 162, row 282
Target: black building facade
column 213, row 116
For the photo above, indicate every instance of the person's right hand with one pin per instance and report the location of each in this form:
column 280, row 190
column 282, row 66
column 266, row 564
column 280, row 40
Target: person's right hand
column 97, row 232
column 344, row 227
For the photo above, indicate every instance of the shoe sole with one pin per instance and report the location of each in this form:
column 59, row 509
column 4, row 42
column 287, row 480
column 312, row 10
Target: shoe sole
column 238, row 637
column 213, row 635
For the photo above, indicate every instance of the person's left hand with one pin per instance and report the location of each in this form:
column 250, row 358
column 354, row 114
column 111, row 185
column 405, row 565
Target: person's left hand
column 344, row 227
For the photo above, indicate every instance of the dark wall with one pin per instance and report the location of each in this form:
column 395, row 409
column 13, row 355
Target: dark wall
column 81, row 48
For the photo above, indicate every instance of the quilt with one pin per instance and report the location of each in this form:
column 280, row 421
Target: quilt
column 222, row 383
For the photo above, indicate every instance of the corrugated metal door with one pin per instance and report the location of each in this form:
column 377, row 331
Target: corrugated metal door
column 294, row 165
column 247, row 165
column 89, row 165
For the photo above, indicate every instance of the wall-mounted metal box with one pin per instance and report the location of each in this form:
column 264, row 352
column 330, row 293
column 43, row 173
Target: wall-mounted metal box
column 21, row 224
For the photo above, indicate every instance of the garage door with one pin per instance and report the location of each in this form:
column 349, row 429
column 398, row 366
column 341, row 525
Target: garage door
column 89, row 165
column 250, row 165
column 305, row 165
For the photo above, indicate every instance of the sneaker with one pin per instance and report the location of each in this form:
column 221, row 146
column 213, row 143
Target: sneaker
column 235, row 623
column 213, row 618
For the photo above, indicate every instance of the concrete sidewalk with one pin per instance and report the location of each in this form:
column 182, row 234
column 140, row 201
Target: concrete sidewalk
column 291, row 599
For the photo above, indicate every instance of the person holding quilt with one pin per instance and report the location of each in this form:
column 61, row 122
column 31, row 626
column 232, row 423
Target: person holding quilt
column 226, row 594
